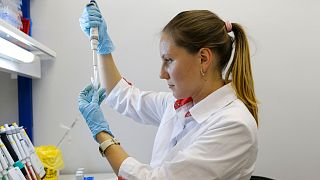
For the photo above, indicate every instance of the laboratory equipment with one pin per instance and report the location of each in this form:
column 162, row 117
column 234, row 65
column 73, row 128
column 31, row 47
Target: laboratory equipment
column 94, row 37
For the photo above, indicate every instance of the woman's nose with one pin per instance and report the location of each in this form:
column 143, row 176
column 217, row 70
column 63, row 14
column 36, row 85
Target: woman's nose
column 163, row 73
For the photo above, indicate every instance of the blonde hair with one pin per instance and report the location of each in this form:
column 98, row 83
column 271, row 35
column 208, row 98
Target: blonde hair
column 240, row 68
column 196, row 29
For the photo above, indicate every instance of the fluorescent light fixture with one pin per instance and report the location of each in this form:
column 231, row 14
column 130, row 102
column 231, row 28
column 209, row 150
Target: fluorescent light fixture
column 9, row 32
column 11, row 51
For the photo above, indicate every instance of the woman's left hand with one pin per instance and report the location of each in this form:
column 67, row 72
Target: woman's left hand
column 89, row 105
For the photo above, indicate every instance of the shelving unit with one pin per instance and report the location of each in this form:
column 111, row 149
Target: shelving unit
column 26, row 42
column 24, row 72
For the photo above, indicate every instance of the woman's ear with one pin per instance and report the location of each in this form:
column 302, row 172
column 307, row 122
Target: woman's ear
column 206, row 57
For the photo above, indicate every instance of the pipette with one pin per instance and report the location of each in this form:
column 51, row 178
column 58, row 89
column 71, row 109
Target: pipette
column 3, row 164
column 67, row 132
column 94, row 35
column 11, row 156
column 35, row 161
column 8, row 141
column 19, row 140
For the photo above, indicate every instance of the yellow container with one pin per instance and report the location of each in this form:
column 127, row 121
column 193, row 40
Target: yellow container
column 51, row 158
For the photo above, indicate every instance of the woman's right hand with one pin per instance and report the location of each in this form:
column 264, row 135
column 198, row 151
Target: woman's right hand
column 91, row 17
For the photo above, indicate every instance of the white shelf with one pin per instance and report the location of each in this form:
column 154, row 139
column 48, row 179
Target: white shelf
column 26, row 42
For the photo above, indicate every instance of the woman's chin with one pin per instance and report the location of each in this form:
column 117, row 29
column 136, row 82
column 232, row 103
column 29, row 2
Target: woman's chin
column 178, row 96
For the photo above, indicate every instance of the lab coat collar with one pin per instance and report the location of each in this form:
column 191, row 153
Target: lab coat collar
column 212, row 103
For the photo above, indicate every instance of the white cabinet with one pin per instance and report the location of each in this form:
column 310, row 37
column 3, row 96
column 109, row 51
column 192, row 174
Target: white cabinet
column 17, row 37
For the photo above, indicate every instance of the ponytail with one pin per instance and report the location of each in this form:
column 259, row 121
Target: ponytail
column 240, row 69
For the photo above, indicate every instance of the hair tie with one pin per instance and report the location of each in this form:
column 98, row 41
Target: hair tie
column 228, row 26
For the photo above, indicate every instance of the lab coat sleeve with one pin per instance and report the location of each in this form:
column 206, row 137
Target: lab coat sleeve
column 227, row 152
column 142, row 106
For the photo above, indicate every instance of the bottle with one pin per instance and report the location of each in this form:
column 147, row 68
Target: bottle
column 10, row 11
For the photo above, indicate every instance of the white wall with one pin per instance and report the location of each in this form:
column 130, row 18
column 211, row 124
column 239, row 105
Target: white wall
column 284, row 39
column 8, row 99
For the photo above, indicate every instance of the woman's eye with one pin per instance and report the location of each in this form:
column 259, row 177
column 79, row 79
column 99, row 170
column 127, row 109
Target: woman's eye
column 168, row 60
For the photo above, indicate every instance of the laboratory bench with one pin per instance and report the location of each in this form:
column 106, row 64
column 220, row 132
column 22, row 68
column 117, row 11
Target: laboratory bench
column 99, row 176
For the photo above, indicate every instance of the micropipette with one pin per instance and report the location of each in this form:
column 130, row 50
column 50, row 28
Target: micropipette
column 24, row 150
column 94, row 35
column 67, row 132
column 14, row 152
column 35, row 161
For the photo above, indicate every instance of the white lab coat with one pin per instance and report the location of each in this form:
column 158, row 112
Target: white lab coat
column 214, row 139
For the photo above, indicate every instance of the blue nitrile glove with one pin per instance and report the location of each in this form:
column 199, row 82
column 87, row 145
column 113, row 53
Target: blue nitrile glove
column 91, row 17
column 89, row 105
column 90, row 90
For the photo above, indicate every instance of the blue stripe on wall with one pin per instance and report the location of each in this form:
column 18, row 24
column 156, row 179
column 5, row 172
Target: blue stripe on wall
column 25, row 104
column 25, row 89
column 25, row 8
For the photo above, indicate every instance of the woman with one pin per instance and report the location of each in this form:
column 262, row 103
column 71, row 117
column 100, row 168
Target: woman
column 207, row 126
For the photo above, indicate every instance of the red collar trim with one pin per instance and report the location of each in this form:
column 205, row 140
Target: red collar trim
column 188, row 114
column 181, row 102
